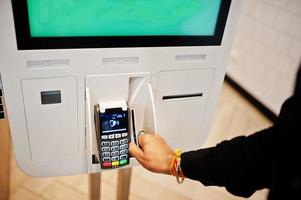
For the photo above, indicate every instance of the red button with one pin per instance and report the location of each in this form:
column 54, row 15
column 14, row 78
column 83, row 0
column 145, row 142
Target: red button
column 107, row 164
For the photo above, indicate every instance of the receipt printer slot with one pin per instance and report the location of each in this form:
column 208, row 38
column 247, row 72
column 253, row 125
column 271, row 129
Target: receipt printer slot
column 181, row 96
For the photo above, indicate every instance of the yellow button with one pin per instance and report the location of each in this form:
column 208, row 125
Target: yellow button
column 115, row 163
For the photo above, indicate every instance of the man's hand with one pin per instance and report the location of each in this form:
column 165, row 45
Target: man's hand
column 155, row 155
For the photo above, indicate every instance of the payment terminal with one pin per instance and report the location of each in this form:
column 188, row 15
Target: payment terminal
column 113, row 137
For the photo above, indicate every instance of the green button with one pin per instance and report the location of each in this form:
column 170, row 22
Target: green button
column 123, row 162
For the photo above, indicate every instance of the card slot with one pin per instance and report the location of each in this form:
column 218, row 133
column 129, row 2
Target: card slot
column 134, row 127
column 181, row 96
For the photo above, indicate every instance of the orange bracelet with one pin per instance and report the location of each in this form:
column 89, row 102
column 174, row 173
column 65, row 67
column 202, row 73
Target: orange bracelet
column 175, row 167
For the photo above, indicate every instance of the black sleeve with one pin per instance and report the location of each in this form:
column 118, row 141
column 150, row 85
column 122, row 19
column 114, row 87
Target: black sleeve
column 241, row 164
column 266, row 159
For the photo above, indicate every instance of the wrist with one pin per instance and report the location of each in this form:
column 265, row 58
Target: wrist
column 169, row 160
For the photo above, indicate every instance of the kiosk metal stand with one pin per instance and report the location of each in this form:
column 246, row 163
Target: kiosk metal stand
column 124, row 182
column 95, row 186
column 123, row 185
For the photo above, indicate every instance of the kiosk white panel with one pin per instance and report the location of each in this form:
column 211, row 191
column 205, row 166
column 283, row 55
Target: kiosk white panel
column 52, row 125
column 51, row 82
column 181, row 104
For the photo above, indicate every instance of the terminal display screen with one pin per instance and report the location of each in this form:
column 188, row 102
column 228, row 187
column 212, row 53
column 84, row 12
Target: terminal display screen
column 114, row 122
column 49, row 18
column 64, row 24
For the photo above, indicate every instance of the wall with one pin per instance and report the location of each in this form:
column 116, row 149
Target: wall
column 267, row 50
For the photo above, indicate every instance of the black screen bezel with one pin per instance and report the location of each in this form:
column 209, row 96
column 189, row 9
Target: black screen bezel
column 26, row 42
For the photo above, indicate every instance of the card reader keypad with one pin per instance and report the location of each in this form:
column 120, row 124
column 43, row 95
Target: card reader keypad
column 114, row 149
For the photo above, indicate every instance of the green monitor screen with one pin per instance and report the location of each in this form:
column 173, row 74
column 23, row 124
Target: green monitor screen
column 138, row 22
column 57, row 18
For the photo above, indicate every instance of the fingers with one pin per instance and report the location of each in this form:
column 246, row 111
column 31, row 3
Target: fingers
column 148, row 139
column 141, row 140
column 136, row 152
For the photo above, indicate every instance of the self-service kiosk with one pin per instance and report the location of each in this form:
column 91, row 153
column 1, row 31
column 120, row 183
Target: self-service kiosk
column 81, row 79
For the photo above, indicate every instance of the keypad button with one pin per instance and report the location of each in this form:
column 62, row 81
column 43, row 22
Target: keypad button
column 111, row 136
column 125, row 146
column 114, row 143
column 116, row 163
column 123, row 162
column 105, row 149
column 117, row 135
column 105, row 154
column 123, row 157
column 115, row 148
column 125, row 151
column 124, row 141
column 115, row 153
column 106, row 159
column 105, row 144
column 104, row 137
column 115, row 158
column 124, row 134
column 107, row 164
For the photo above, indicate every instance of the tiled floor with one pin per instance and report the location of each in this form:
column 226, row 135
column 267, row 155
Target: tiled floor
column 234, row 116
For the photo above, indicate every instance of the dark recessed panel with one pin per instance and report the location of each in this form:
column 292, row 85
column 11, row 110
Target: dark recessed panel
column 51, row 97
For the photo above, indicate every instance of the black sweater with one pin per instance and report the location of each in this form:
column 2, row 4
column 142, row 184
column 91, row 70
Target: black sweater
column 269, row 158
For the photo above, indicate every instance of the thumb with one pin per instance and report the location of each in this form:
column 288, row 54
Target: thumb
column 136, row 152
